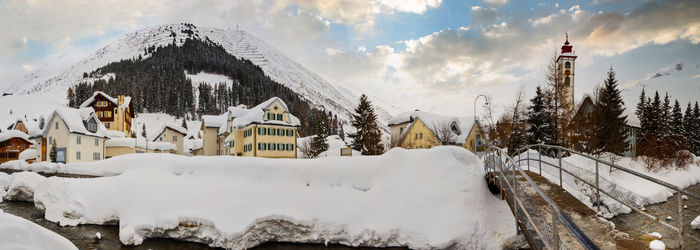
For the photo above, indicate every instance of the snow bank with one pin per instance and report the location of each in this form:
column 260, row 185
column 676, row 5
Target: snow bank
column 18, row 233
column 5, row 181
column 423, row 199
column 635, row 190
column 695, row 224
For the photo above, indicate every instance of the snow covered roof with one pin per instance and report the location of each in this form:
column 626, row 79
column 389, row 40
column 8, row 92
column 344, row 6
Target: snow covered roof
column 460, row 126
column 214, row 121
column 86, row 103
column 32, row 125
column 141, row 143
column 257, row 115
column 76, row 119
column 4, row 136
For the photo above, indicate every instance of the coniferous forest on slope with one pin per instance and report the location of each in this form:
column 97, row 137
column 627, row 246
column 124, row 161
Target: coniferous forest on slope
column 157, row 83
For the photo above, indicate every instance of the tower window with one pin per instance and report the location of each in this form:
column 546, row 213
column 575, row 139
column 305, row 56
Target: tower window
column 567, row 65
column 567, row 81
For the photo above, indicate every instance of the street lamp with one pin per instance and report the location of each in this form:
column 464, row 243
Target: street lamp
column 475, row 118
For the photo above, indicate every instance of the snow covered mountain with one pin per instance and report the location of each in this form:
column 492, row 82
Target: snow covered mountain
column 53, row 83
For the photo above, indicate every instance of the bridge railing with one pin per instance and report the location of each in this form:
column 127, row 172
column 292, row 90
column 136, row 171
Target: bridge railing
column 529, row 216
column 604, row 192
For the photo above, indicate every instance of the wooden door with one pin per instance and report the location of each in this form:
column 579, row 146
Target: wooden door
column 43, row 149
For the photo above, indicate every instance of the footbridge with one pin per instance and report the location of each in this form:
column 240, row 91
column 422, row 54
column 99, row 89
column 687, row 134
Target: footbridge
column 545, row 223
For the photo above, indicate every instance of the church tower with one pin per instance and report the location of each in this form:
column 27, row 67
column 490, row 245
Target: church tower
column 566, row 70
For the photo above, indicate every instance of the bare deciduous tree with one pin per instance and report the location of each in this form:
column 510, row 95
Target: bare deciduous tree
column 305, row 149
column 443, row 131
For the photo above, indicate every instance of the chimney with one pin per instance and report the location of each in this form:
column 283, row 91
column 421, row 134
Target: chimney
column 120, row 100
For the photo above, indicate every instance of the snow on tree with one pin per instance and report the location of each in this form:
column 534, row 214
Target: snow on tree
column 367, row 137
column 184, row 123
column 318, row 142
column 609, row 127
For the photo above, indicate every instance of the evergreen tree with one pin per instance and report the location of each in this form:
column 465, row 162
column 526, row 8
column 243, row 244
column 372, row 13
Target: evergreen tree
column 609, row 121
column 53, row 153
column 688, row 127
column 676, row 124
column 318, row 142
column 541, row 120
column 641, row 112
column 665, row 122
column 695, row 134
column 341, row 132
column 367, row 137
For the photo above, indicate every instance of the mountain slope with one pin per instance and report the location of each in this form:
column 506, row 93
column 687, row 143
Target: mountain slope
column 236, row 42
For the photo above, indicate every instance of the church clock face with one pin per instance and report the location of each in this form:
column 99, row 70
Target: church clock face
column 567, row 72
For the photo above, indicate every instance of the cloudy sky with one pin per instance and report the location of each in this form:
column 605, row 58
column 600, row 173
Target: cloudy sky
column 427, row 54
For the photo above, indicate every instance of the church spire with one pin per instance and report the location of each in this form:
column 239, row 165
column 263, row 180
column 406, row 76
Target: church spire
column 567, row 48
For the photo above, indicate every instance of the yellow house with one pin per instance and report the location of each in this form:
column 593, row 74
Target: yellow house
column 114, row 113
column 266, row 130
column 418, row 129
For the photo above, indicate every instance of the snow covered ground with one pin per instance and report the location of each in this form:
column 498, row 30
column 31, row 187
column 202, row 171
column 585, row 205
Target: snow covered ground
column 18, row 233
column 423, row 199
column 642, row 191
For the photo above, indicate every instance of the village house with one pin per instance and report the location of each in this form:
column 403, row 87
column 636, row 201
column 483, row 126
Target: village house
column 419, row 129
column 114, row 113
column 266, row 130
column 172, row 134
column 12, row 144
column 77, row 134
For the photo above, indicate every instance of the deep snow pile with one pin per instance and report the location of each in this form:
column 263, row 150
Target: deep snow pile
column 422, row 199
column 640, row 191
column 18, row 233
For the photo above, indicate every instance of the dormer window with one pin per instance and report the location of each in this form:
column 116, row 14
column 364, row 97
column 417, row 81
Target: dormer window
column 92, row 125
column 454, row 128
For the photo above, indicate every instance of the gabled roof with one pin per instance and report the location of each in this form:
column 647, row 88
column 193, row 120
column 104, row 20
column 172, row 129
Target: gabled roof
column 460, row 127
column 76, row 119
column 86, row 103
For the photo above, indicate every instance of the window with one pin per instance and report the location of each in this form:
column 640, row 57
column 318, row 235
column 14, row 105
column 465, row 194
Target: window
column 567, row 65
column 259, row 146
column 274, row 132
column 77, row 155
column 279, row 131
column 269, row 146
column 97, row 141
column 174, row 138
column 96, row 156
column 259, row 131
column 106, row 124
column 567, row 81
column 279, row 146
column 264, row 146
column 416, row 136
column 50, row 139
column 108, row 114
column 268, row 116
column 160, row 138
column 78, row 139
column 421, row 135
column 279, row 117
column 56, row 127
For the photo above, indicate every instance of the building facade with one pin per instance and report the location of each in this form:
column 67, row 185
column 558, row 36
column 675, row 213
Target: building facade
column 266, row 130
column 12, row 143
column 114, row 113
column 172, row 134
column 78, row 134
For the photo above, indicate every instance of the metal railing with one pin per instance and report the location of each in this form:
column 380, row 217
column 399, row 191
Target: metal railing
column 614, row 195
column 529, row 217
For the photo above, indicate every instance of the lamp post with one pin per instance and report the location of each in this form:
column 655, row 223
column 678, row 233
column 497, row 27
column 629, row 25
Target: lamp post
column 475, row 118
